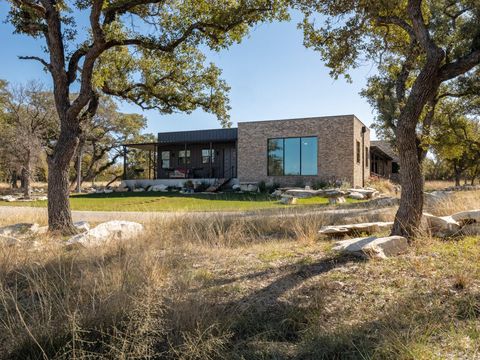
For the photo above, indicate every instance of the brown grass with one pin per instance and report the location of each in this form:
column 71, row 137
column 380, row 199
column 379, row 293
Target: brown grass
column 251, row 288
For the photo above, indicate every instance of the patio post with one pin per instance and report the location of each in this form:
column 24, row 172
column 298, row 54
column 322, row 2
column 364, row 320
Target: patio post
column 185, row 160
column 210, row 157
column 149, row 164
column 125, row 163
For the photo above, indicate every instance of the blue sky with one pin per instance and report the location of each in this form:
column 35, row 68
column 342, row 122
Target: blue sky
column 271, row 75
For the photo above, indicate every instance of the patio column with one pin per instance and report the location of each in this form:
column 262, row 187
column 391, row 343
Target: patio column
column 149, row 164
column 211, row 157
column 125, row 154
column 185, row 160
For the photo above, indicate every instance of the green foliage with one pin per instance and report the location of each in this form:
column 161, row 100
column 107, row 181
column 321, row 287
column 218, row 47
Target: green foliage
column 350, row 33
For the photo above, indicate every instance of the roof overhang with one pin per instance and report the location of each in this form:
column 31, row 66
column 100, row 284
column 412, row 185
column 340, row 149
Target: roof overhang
column 143, row 146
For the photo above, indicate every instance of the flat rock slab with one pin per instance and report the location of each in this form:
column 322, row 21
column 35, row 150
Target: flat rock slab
column 349, row 229
column 373, row 247
column 304, row 193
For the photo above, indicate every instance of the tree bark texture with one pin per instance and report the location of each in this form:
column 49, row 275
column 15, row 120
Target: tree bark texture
column 59, row 214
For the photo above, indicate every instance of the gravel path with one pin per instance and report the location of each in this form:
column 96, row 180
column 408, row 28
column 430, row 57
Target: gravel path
column 101, row 216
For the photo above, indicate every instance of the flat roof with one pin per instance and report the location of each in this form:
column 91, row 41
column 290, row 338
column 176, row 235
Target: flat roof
column 306, row 118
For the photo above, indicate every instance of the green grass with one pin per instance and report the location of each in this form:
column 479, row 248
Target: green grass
column 173, row 201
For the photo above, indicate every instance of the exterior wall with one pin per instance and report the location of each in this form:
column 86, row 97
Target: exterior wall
column 364, row 160
column 336, row 144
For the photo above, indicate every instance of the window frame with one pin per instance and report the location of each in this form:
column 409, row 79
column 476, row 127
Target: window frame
column 300, row 154
column 187, row 158
column 210, row 157
column 163, row 160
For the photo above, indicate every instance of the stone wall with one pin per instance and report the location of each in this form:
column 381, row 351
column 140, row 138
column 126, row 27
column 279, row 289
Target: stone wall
column 336, row 145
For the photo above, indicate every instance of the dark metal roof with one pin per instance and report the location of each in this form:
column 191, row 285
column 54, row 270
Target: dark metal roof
column 212, row 135
column 385, row 148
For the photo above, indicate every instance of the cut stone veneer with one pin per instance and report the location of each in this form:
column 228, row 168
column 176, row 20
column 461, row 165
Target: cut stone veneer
column 337, row 137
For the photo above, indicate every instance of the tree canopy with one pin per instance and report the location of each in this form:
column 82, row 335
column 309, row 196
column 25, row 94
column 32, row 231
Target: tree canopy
column 148, row 52
column 418, row 46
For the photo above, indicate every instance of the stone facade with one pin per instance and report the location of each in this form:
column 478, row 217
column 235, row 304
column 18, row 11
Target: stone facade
column 337, row 144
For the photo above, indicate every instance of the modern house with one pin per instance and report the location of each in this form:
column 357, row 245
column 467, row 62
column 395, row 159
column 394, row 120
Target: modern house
column 287, row 152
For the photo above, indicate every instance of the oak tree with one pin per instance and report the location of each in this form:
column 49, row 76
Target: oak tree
column 418, row 45
column 144, row 51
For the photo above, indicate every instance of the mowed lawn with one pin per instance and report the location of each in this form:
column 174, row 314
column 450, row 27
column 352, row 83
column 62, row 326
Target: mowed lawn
column 174, row 201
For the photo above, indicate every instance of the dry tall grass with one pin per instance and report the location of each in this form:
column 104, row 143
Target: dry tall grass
column 239, row 288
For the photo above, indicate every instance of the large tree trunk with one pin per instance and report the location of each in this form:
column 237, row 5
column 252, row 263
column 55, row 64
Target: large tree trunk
column 424, row 89
column 59, row 213
column 409, row 214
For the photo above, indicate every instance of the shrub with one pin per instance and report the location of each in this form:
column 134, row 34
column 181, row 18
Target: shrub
column 262, row 187
column 202, row 187
column 188, row 184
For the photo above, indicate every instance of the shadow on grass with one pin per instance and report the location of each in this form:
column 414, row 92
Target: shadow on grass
column 270, row 323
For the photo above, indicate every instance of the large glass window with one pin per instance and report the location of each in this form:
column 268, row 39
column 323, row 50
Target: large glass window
column 292, row 156
column 184, row 157
column 309, row 156
column 165, row 159
column 275, row 157
column 208, row 154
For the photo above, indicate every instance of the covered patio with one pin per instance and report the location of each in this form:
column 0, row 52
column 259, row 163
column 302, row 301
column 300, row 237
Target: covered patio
column 202, row 154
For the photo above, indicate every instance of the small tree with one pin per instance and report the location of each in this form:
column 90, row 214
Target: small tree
column 418, row 45
column 29, row 121
column 144, row 51
column 456, row 139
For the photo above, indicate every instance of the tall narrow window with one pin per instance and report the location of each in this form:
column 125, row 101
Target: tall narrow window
column 292, row 156
column 165, row 159
column 275, row 157
column 367, row 156
column 309, row 156
column 184, row 157
column 358, row 152
column 207, row 155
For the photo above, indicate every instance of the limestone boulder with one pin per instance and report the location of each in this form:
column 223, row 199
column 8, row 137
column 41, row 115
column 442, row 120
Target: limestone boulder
column 352, row 229
column 441, row 225
column 138, row 190
column 288, row 200
column 356, row 196
column 336, row 200
column 368, row 193
column 115, row 230
column 470, row 216
column 159, row 188
column 373, row 247
column 8, row 198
